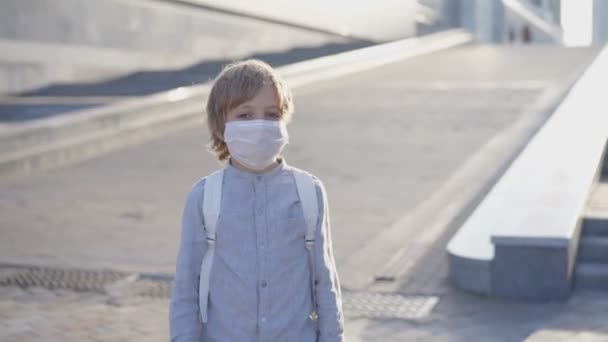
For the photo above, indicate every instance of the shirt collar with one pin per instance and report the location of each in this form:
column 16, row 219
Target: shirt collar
column 282, row 165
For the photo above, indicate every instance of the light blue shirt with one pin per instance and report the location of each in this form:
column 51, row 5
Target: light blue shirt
column 260, row 286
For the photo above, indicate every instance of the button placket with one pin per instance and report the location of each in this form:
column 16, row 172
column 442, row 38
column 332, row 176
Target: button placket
column 261, row 233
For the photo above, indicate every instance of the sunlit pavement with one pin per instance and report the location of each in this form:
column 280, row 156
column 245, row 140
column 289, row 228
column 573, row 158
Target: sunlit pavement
column 382, row 141
column 41, row 314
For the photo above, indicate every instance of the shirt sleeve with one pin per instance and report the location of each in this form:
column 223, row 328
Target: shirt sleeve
column 184, row 314
column 328, row 292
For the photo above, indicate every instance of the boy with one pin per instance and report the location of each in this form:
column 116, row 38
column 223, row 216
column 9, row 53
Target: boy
column 253, row 264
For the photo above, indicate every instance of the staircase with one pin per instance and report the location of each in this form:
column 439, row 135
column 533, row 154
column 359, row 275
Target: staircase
column 592, row 262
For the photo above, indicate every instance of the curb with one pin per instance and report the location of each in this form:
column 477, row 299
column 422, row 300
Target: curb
column 394, row 253
column 49, row 143
column 522, row 241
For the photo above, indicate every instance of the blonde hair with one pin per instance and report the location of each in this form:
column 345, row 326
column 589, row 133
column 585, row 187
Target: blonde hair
column 238, row 83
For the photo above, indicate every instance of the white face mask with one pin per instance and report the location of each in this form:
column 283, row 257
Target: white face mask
column 255, row 143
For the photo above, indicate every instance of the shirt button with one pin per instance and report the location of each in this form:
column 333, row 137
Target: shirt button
column 262, row 246
column 264, row 284
column 263, row 319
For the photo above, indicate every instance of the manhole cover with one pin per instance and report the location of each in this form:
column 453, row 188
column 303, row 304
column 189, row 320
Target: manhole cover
column 59, row 278
column 387, row 305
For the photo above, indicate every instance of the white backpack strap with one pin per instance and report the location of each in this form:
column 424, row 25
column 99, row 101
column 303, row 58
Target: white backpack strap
column 307, row 192
column 212, row 202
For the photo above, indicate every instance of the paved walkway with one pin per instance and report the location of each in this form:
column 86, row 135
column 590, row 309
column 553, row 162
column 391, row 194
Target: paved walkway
column 39, row 314
column 382, row 141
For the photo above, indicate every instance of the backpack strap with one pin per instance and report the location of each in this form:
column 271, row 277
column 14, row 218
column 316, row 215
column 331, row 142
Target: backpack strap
column 307, row 192
column 212, row 202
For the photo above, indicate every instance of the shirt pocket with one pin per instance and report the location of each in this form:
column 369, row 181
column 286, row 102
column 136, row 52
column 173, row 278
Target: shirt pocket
column 289, row 253
column 288, row 234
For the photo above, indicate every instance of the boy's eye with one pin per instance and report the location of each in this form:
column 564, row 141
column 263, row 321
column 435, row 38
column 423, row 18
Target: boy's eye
column 273, row 115
column 243, row 116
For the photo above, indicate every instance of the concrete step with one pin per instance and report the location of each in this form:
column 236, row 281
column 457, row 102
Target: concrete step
column 595, row 226
column 592, row 276
column 593, row 249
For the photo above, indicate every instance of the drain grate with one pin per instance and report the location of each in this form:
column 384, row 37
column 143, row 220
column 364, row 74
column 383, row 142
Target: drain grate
column 59, row 278
column 153, row 288
column 387, row 305
column 356, row 303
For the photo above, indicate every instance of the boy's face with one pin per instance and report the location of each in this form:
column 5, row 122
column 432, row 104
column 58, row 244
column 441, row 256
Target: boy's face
column 263, row 106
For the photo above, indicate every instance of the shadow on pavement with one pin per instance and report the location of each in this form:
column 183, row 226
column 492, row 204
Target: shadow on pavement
column 147, row 82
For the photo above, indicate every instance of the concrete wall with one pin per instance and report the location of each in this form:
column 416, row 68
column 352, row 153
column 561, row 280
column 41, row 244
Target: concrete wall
column 153, row 26
column 128, row 34
column 379, row 20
